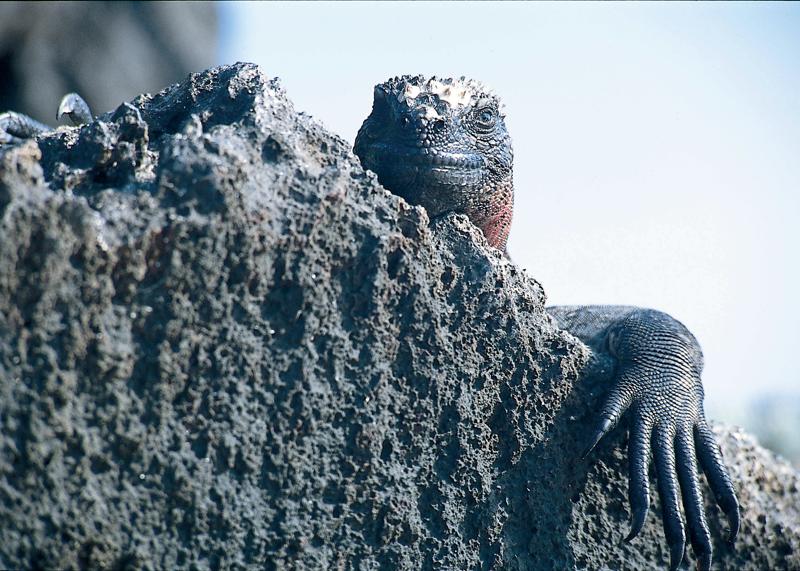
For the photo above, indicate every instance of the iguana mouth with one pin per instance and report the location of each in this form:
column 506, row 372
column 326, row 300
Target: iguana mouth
column 414, row 173
column 425, row 157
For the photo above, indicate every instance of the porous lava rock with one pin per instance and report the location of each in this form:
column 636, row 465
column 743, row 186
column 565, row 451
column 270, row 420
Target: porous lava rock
column 223, row 345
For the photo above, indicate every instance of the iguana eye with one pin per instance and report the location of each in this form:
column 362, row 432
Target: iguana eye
column 485, row 118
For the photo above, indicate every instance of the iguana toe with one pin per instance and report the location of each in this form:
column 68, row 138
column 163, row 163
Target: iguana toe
column 75, row 108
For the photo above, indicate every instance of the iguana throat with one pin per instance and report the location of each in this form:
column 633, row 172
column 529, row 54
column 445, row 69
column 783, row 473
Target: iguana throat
column 442, row 144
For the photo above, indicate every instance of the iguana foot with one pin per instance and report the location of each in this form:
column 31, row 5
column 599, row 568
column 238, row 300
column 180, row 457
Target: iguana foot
column 659, row 382
column 16, row 127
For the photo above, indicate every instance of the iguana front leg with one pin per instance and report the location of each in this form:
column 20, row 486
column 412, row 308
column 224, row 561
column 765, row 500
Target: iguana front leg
column 657, row 380
column 16, row 127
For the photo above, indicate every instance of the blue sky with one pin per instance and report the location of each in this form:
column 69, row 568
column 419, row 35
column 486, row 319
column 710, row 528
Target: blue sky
column 657, row 147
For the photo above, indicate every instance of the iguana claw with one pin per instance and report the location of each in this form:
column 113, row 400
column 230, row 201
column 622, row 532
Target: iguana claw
column 75, row 108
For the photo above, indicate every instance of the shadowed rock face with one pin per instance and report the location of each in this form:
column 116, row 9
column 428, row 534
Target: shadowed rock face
column 223, row 344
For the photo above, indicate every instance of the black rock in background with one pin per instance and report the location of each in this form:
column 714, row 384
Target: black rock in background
column 224, row 345
column 106, row 51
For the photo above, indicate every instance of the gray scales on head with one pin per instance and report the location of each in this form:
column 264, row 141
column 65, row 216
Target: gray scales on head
column 443, row 144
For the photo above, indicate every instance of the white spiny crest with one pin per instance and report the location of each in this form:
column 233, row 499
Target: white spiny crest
column 456, row 92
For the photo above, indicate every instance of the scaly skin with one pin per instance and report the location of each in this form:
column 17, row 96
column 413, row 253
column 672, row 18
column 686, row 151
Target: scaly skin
column 443, row 144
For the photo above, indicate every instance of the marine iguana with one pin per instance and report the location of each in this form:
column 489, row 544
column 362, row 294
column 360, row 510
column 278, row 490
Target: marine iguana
column 443, row 144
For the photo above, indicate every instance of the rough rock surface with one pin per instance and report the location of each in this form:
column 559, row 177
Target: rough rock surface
column 224, row 345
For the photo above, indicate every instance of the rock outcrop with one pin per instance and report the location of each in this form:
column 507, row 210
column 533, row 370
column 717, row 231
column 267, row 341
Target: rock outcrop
column 224, row 345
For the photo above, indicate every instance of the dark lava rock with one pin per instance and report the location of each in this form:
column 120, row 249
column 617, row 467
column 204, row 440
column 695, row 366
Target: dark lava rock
column 224, row 345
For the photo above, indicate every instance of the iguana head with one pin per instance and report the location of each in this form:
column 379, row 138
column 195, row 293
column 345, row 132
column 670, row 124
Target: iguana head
column 442, row 143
